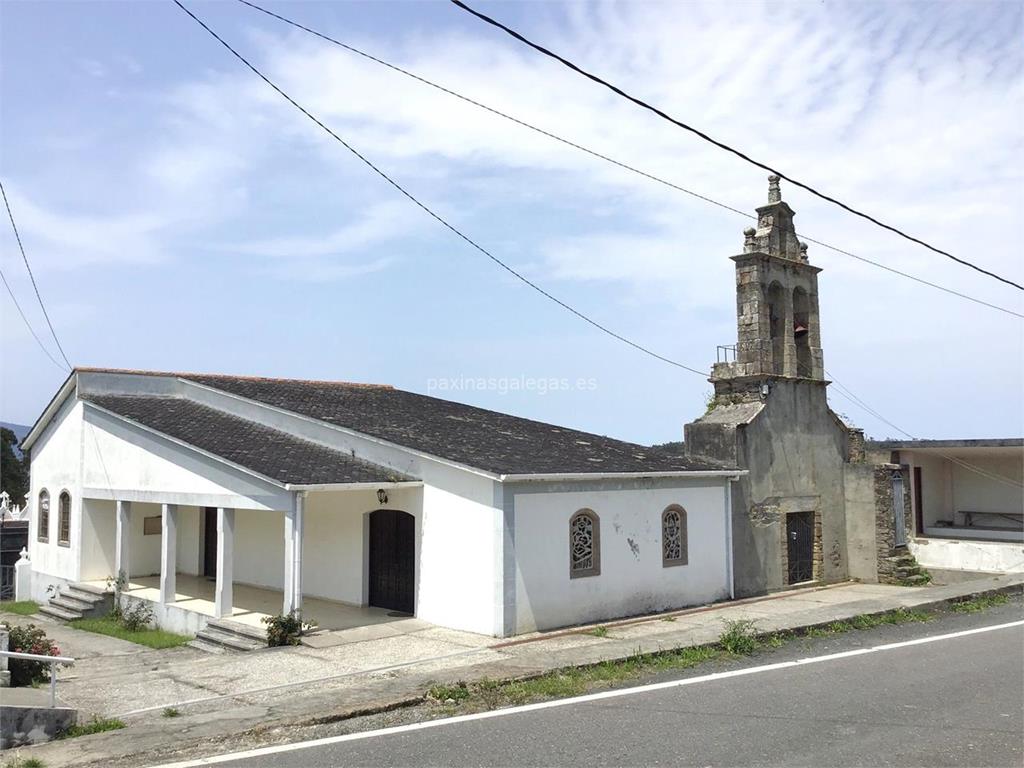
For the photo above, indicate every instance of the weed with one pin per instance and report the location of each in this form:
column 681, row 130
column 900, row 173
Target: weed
column 598, row 632
column 446, row 693
column 668, row 618
column 172, row 712
column 25, row 762
column 979, row 603
column 739, row 637
column 96, row 725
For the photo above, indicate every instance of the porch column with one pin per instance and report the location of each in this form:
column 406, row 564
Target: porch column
column 300, row 514
column 168, row 552
column 224, row 598
column 122, row 550
column 289, row 562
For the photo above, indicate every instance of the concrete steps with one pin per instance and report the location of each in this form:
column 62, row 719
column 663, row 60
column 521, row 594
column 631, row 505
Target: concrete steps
column 77, row 601
column 220, row 635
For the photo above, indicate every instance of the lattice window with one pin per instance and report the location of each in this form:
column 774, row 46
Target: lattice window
column 673, row 536
column 64, row 519
column 43, row 519
column 584, row 544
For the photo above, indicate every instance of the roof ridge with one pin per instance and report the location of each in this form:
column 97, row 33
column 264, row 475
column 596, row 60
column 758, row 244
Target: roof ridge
column 191, row 375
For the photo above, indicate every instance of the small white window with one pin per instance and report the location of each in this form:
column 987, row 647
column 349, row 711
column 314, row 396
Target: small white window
column 43, row 519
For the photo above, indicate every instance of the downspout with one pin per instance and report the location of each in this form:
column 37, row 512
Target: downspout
column 728, row 537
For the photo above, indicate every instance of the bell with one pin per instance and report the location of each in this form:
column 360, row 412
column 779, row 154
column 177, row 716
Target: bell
column 799, row 329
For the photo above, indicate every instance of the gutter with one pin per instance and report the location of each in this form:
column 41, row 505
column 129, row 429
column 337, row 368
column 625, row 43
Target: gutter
column 731, row 474
column 352, row 486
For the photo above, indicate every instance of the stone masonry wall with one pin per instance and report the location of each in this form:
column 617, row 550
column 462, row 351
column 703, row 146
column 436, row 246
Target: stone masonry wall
column 893, row 562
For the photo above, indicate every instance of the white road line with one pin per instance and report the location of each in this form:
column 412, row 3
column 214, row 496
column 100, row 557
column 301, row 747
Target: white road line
column 580, row 699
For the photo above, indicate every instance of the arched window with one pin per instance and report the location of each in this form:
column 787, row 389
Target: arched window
column 584, row 544
column 673, row 536
column 64, row 519
column 43, row 518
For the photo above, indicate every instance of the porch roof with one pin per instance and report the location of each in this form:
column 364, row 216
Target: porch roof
column 276, row 455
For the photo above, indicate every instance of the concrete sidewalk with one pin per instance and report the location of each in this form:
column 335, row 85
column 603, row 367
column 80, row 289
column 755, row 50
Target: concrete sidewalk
column 223, row 695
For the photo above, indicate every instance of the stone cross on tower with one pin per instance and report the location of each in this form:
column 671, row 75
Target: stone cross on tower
column 776, row 303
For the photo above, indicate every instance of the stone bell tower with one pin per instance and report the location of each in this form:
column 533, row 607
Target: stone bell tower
column 778, row 331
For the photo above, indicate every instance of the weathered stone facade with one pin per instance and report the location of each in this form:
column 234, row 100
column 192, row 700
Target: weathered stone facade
column 770, row 416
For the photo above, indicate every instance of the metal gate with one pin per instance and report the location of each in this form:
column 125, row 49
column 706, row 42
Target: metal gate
column 800, row 546
column 392, row 560
column 899, row 510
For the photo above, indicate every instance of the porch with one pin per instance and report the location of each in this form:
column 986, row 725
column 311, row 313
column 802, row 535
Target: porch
column 320, row 558
column 197, row 594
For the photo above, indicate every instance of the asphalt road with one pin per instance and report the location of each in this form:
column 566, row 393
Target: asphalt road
column 957, row 701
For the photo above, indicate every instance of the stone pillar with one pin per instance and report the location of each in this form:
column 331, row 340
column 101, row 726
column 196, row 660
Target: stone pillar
column 122, row 549
column 168, row 552
column 23, row 577
column 289, row 562
column 224, row 596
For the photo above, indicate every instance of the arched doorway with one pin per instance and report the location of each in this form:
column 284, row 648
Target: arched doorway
column 392, row 568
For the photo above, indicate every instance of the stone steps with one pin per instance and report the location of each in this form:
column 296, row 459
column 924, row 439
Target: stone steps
column 229, row 636
column 77, row 601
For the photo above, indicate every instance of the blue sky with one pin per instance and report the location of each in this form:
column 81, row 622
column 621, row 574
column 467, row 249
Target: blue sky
column 180, row 216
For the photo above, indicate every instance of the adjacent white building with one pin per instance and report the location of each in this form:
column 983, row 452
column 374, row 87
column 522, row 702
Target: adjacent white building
column 967, row 498
column 211, row 495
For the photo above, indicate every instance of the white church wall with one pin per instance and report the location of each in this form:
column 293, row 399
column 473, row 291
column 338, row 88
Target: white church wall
column 99, row 538
column 459, row 577
column 56, row 467
column 632, row 579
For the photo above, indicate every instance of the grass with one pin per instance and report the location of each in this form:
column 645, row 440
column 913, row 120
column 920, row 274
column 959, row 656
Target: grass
column 20, row 607
column 153, row 638
column 171, row 712
column 979, row 603
column 738, row 638
column 598, row 632
column 96, row 725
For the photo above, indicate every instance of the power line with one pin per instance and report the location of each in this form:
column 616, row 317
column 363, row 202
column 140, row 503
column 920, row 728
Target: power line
column 429, row 211
column 988, row 474
column 605, row 157
column 726, row 147
column 32, row 277
column 28, row 324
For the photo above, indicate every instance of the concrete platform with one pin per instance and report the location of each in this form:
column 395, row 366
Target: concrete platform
column 252, row 604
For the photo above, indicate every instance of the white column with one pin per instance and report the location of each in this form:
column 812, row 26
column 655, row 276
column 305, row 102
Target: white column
column 289, row 562
column 225, row 562
column 122, row 551
column 168, row 552
column 300, row 513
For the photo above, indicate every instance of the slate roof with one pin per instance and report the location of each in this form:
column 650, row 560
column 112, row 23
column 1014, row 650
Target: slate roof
column 269, row 452
column 475, row 437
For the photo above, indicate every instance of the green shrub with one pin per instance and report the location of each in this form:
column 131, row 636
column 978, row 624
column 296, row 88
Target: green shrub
column 286, row 629
column 444, row 693
column 136, row 617
column 739, row 637
column 29, row 639
column 172, row 712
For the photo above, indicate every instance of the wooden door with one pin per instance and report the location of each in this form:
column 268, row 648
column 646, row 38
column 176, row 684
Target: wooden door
column 210, row 542
column 392, row 560
column 918, row 503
